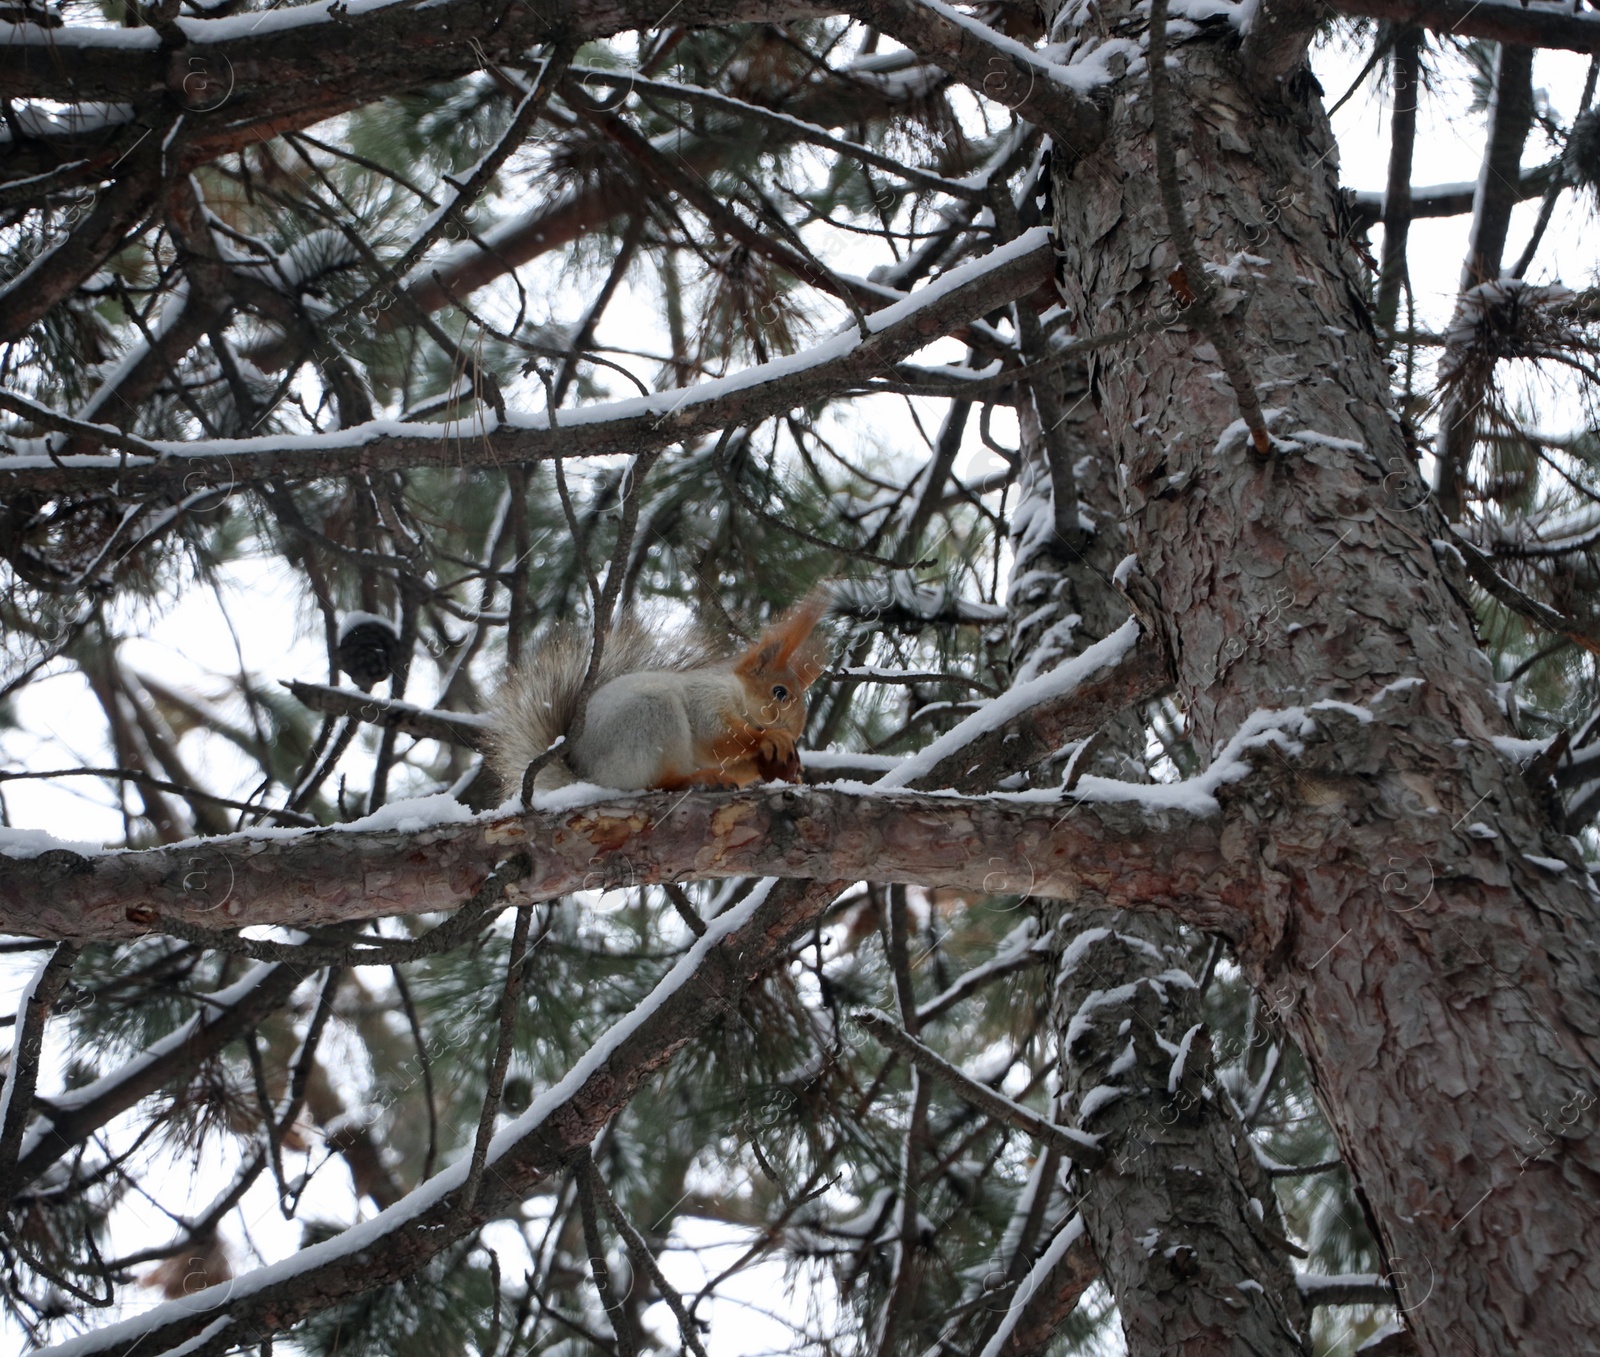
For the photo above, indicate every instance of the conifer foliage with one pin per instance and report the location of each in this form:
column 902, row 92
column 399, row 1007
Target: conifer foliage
column 432, row 332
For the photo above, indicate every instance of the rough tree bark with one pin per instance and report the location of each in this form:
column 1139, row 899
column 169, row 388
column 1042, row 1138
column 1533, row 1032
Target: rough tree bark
column 1184, row 1219
column 1184, row 1222
column 1431, row 935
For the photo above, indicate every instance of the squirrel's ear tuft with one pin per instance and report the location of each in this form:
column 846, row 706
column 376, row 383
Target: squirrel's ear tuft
column 787, row 644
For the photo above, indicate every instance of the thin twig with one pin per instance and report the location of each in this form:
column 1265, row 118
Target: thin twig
column 729, row 479
column 685, row 907
column 641, row 1254
column 908, row 1265
column 497, row 1071
column 300, row 1076
column 1080, row 1147
column 631, row 494
column 616, row 1312
column 1524, row 605
column 409, row 1008
column 147, row 780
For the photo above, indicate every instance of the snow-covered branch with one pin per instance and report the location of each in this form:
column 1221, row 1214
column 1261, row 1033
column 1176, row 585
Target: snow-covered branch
column 308, row 61
column 1046, row 93
column 631, row 426
column 560, row 1123
column 1135, row 846
column 72, row 1116
column 1035, row 718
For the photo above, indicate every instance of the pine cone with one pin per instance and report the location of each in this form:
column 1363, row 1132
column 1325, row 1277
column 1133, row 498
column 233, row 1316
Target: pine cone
column 369, row 646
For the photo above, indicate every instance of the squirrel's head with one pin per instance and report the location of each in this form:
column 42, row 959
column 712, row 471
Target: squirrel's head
column 777, row 669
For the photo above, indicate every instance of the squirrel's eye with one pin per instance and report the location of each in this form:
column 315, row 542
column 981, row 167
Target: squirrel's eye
column 780, row 692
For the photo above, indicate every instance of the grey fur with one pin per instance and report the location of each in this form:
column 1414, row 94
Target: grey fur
column 538, row 701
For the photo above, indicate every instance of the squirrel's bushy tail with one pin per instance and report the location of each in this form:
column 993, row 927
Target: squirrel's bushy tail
column 539, row 700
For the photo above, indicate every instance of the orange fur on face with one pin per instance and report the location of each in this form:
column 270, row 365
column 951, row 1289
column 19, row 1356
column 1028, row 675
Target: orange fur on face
column 759, row 730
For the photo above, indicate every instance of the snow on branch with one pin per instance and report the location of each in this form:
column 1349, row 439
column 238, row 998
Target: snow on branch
column 431, row 854
column 1447, row 200
column 837, row 364
column 1069, row 1250
column 1080, row 695
column 316, row 58
column 387, row 713
column 1366, row 1288
column 69, row 1118
column 1048, row 94
column 1135, row 846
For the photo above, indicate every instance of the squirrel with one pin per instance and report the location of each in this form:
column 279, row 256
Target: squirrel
column 666, row 713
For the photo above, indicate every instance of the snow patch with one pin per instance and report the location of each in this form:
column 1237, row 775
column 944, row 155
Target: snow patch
column 1101, row 1096
column 31, row 843
column 408, row 817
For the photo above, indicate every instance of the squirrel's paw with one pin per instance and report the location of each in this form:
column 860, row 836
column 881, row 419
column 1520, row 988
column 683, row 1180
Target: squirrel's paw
column 777, row 759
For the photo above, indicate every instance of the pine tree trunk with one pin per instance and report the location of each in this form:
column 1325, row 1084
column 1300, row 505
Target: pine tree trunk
column 1427, row 937
column 1184, row 1221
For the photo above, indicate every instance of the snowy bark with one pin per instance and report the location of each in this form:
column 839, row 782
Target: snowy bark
column 1184, row 1220
column 1185, row 1224
column 1428, row 937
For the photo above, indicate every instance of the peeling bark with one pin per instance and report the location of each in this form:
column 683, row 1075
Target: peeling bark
column 1443, row 984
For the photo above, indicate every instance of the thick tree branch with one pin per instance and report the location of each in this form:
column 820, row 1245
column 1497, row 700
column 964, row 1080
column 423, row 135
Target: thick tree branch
column 1131, row 853
column 61, row 268
column 1533, row 25
column 1510, row 119
column 1276, row 38
column 1048, row 1295
column 955, row 299
column 1000, row 68
column 319, row 59
column 1356, row 1289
